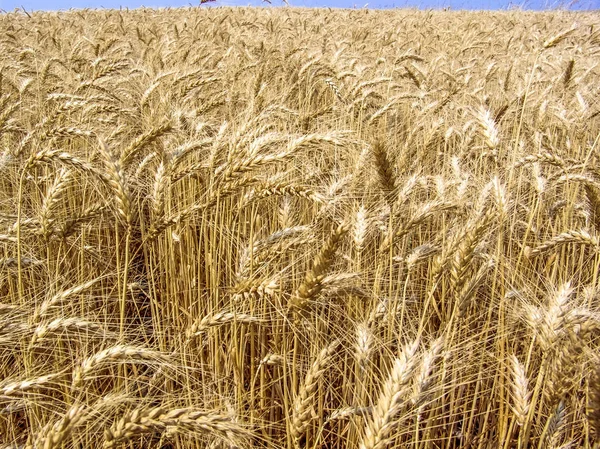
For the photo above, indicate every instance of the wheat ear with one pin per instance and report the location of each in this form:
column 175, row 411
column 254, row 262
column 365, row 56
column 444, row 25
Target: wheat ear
column 114, row 354
column 157, row 420
column 592, row 194
column 304, row 399
column 385, row 168
column 379, row 427
column 558, row 38
column 78, row 325
column 117, row 182
column 312, row 284
column 363, row 345
column 19, row 387
column 51, row 199
column 521, row 393
column 220, row 319
column 58, row 433
column 573, row 236
column 360, row 228
column 63, row 296
column 141, row 141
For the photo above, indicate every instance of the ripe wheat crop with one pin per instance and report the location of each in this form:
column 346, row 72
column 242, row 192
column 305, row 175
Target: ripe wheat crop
column 299, row 229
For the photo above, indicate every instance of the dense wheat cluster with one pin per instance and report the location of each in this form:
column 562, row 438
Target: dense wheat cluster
column 236, row 228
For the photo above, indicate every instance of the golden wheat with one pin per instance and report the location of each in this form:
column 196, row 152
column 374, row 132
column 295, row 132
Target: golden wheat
column 299, row 228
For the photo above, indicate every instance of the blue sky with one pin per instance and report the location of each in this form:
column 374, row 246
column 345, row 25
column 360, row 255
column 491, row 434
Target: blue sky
column 9, row 5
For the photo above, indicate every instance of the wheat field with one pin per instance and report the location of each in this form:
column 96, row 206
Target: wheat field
column 294, row 228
